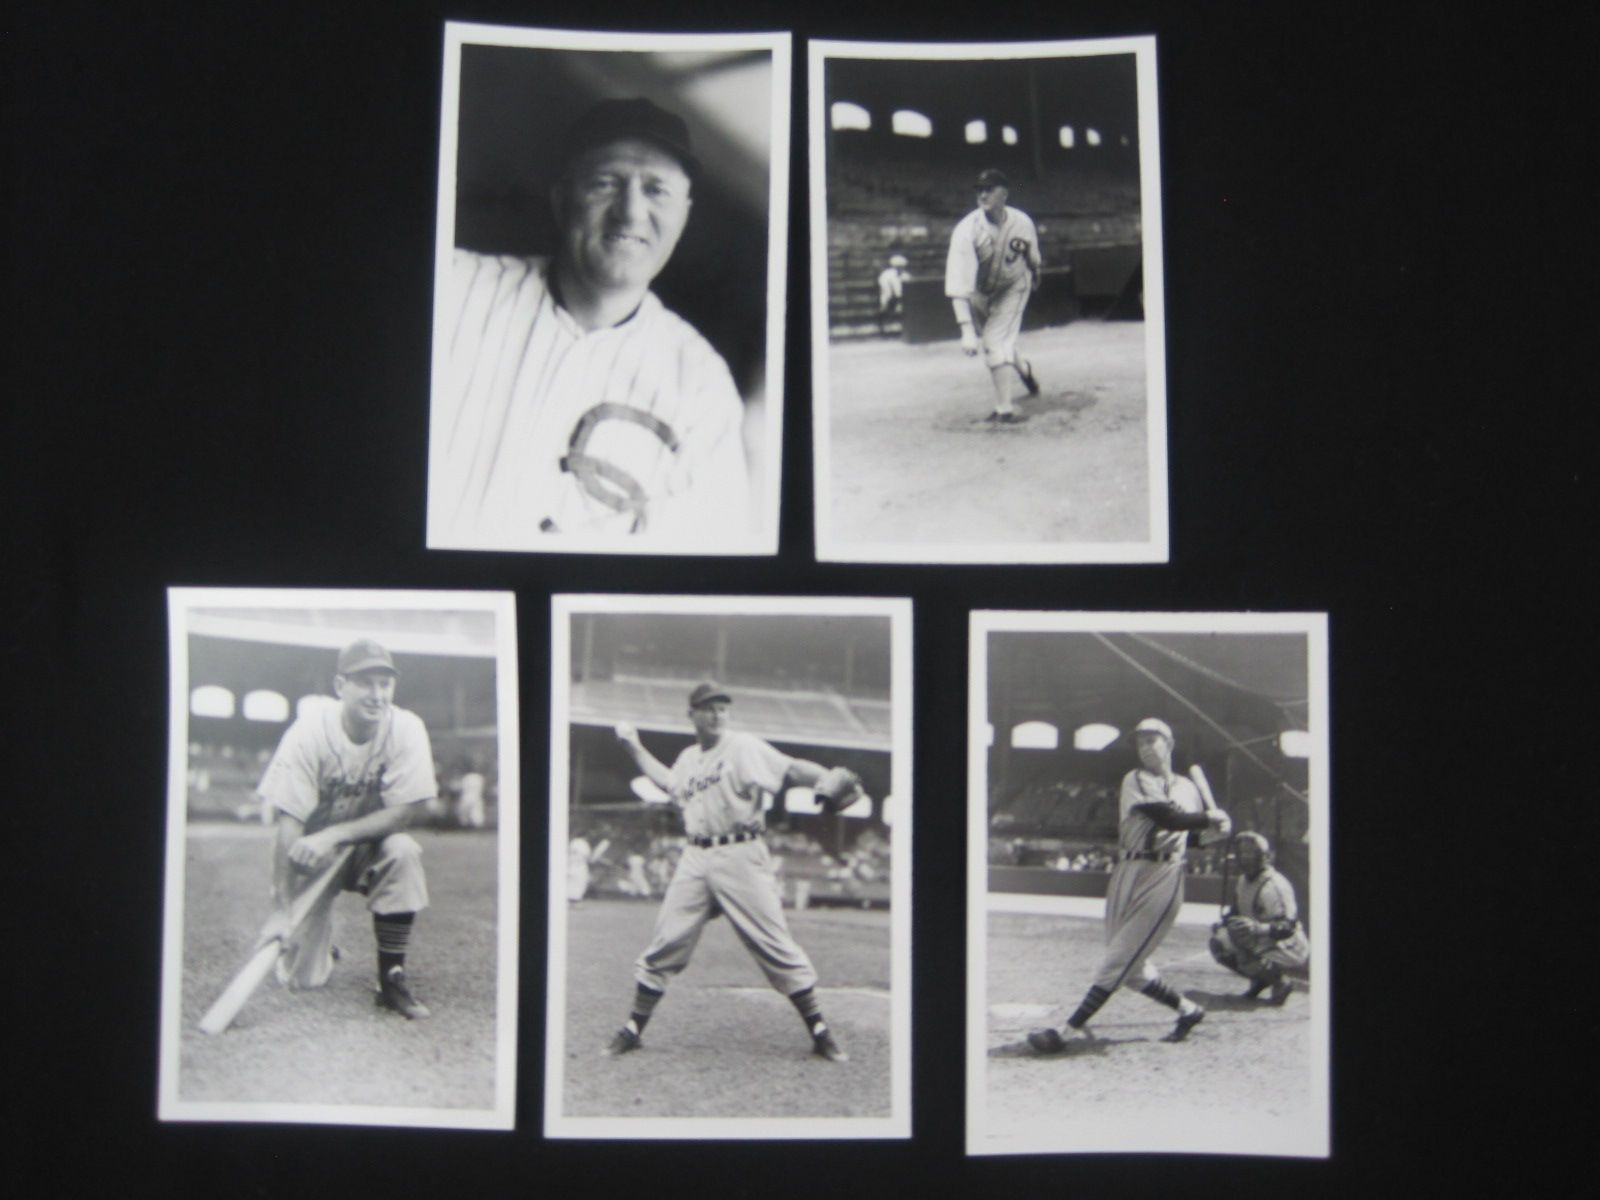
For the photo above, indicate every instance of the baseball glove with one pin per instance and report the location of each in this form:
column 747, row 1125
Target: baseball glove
column 838, row 789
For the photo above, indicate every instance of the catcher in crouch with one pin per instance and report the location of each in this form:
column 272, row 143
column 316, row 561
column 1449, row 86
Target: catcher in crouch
column 718, row 783
column 1259, row 935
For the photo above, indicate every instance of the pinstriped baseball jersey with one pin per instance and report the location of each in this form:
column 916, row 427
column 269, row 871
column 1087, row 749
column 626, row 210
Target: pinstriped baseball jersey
column 720, row 789
column 321, row 777
column 544, row 429
column 1136, row 831
column 985, row 258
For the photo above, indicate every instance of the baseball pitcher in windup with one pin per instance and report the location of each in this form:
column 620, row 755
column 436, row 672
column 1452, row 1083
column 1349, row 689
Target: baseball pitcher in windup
column 718, row 784
column 1159, row 809
column 354, row 772
column 991, row 270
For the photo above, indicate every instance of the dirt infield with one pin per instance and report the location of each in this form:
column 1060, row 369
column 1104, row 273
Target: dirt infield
column 914, row 461
column 1245, row 1060
column 330, row 1045
column 723, row 1043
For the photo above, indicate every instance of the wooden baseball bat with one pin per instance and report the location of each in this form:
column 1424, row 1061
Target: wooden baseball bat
column 1203, row 785
column 221, row 1014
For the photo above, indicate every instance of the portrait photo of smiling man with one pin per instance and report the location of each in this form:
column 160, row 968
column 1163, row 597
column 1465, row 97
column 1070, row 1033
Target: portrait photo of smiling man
column 603, row 337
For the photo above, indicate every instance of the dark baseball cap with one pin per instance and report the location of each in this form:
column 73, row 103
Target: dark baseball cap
column 364, row 654
column 706, row 692
column 990, row 177
column 612, row 120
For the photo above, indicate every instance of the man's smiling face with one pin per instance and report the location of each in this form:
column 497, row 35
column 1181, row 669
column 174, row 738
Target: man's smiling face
column 621, row 207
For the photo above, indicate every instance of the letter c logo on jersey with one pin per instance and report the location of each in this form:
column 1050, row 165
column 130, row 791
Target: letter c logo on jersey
column 1015, row 247
column 603, row 480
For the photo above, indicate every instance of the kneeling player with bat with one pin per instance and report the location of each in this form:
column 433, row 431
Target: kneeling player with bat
column 727, row 868
column 347, row 779
column 1159, row 809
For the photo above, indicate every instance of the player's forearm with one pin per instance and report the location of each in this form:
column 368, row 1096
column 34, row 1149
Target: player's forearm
column 374, row 826
column 1171, row 817
column 289, row 831
column 653, row 768
column 963, row 310
column 803, row 773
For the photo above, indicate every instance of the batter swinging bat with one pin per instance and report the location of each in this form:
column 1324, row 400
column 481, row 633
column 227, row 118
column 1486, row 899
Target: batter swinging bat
column 221, row 1014
column 1203, row 786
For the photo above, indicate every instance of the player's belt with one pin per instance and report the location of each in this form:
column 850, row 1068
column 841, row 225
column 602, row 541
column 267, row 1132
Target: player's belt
column 726, row 839
column 1151, row 855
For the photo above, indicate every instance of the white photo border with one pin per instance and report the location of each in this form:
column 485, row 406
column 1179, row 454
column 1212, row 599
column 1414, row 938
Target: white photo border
column 563, row 607
column 1155, row 549
column 1307, row 1137
column 181, row 602
column 457, row 34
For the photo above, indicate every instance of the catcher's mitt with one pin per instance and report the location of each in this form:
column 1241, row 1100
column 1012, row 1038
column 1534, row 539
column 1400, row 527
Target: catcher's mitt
column 838, row 789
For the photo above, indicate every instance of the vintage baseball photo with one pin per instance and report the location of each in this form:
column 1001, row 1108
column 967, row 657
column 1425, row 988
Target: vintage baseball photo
column 609, row 287
column 1148, row 884
column 986, row 289
column 342, row 830
column 730, row 868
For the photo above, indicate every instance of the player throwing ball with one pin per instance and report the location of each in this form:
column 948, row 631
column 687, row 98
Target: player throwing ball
column 718, row 784
column 352, row 771
column 1158, row 810
column 992, row 269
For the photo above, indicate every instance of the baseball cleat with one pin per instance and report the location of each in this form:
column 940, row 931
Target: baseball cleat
column 1012, row 418
column 1256, row 988
column 1047, row 1041
column 1025, row 369
column 1186, row 1022
column 621, row 1043
column 823, row 1046
column 1280, row 992
column 395, row 995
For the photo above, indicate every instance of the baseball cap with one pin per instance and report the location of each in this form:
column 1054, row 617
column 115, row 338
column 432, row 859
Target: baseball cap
column 897, row 260
column 612, row 120
column 364, row 654
column 1155, row 725
column 706, row 692
column 990, row 177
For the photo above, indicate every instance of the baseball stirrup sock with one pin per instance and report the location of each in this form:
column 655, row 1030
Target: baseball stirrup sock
column 809, row 1008
column 393, row 931
column 644, row 1003
column 1092, row 1000
column 1160, row 992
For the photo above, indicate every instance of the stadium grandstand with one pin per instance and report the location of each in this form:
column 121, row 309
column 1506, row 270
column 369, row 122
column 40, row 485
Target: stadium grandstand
column 816, row 687
column 905, row 138
column 1062, row 707
column 251, row 671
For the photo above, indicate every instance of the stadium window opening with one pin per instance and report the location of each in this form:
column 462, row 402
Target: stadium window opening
column 977, row 133
column 1008, row 135
column 1069, row 137
column 908, row 123
column 846, row 115
column 1035, row 735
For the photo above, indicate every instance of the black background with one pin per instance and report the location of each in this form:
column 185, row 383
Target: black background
column 219, row 267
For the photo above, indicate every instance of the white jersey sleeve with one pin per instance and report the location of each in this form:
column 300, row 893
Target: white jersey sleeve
column 291, row 782
column 756, row 763
column 961, row 263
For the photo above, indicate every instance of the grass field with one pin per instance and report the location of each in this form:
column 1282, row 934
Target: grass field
column 723, row 1043
column 330, row 1045
column 1246, row 1060
column 914, row 461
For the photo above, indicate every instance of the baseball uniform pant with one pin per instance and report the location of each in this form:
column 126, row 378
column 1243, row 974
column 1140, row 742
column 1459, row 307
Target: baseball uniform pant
column 388, row 873
column 1142, row 904
column 999, row 319
column 738, row 879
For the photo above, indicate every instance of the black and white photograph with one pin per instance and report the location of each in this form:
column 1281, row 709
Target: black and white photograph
column 1148, row 884
column 987, row 318
column 341, row 880
column 610, row 272
column 730, row 868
